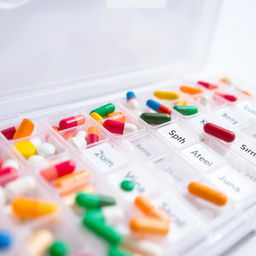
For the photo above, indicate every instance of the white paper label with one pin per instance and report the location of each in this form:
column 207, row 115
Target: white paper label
column 144, row 182
column 104, row 157
column 232, row 184
column 248, row 108
column 201, row 120
column 182, row 222
column 231, row 116
column 176, row 135
column 201, row 157
column 113, row 4
column 245, row 148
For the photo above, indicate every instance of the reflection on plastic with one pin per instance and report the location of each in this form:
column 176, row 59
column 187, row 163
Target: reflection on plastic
column 115, row 4
column 8, row 4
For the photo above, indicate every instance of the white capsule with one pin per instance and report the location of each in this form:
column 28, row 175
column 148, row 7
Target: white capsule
column 129, row 127
column 78, row 142
column 38, row 161
column 21, row 186
column 36, row 141
column 81, row 134
column 113, row 215
column 144, row 247
column 204, row 100
column 10, row 163
column 46, row 149
column 2, row 197
column 133, row 104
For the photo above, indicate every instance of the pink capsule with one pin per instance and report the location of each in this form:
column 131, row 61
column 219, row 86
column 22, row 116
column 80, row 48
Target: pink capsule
column 58, row 170
column 72, row 121
column 119, row 127
column 8, row 174
column 9, row 132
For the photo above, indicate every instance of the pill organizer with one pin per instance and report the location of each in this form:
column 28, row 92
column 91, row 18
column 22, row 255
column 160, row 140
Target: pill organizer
column 62, row 60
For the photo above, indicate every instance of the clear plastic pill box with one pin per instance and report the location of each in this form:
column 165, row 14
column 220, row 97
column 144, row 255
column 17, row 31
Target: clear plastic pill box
column 62, row 59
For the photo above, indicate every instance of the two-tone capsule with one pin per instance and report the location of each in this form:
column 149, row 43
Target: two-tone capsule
column 72, row 121
column 119, row 127
column 92, row 135
column 58, row 170
column 219, row 132
column 156, row 106
column 228, row 97
column 207, row 193
column 132, row 101
column 207, row 85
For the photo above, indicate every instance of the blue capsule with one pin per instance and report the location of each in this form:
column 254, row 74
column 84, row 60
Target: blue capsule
column 158, row 107
column 132, row 100
column 5, row 240
column 130, row 95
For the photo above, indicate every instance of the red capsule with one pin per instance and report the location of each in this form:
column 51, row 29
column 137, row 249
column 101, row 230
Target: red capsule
column 72, row 121
column 219, row 132
column 93, row 135
column 9, row 132
column 58, row 170
column 229, row 97
column 208, row 86
column 8, row 174
column 114, row 126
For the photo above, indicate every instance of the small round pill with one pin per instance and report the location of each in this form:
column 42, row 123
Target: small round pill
column 78, row 142
column 10, row 163
column 26, row 148
column 5, row 240
column 59, row 248
column 127, row 185
column 36, row 141
column 38, row 161
column 46, row 149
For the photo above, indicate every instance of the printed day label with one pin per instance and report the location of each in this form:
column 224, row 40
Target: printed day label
column 248, row 108
column 202, row 157
column 104, row 157
column 176, row 135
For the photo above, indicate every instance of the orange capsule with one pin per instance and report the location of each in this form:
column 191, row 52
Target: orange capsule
column 118, row 116
column 25, row 129
column 190, row 90
column 150, row 226
column 71, row 178
column 30, row 208
column 207, row 193
column 68, row 135
column 143, row 203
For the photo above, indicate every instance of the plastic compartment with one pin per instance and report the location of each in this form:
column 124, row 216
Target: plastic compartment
column 72, row 132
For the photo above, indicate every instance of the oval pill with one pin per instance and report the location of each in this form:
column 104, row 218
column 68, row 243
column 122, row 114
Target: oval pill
column 207, row 193
column 46, row 149
column 156, row 106
column 30, row 208
column 72, row 121
column 155, row 118
column 186, row 110
column 104, row 110
column 166, row 95
column 190, row 90
column 26, row 148
column 25, row 129
column 9, row 132
column 59, row 248
column 219, row 132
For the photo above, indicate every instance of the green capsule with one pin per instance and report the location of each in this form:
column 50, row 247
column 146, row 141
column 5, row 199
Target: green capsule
column 58, row 248
column 102, row 230
column 116, row 251
column 186, row 110
column 96, row 214
column 105, row 109
column 155, row 118
column 89, row 200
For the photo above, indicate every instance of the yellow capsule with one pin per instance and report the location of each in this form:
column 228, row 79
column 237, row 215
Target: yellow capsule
column 149, row 226
column 30, row 208
column 40, row 242
column 26, row 148
column 181, row 103
column 166, row 95
column 97, row 117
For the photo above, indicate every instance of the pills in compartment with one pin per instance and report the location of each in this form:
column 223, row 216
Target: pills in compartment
column 82, row 179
